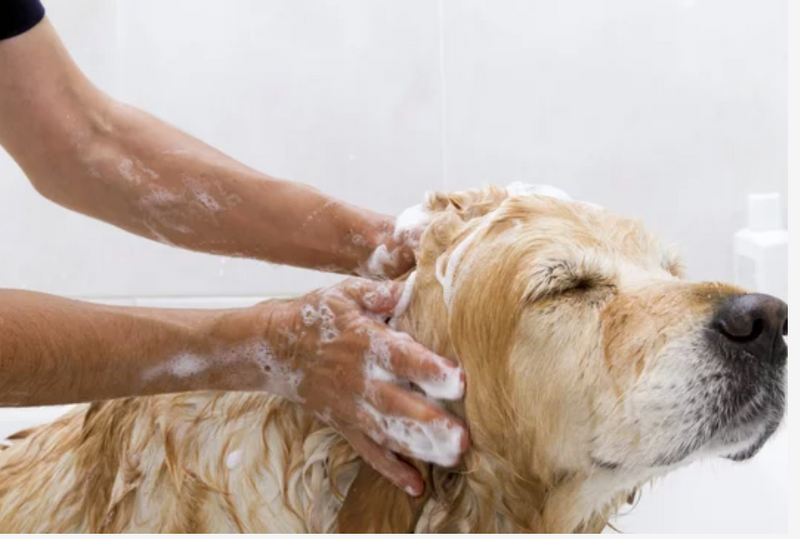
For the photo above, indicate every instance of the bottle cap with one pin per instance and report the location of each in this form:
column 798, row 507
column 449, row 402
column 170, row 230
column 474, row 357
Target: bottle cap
column 764, row 212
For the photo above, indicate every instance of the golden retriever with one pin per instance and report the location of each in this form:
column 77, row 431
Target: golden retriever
column 592, row 367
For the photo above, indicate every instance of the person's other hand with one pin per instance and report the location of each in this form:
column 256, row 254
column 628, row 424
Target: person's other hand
column 395, row 243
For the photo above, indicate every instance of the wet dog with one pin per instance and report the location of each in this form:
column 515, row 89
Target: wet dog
column 592, row 367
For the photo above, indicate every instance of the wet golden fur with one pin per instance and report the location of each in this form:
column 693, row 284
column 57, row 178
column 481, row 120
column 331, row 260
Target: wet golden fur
column 558, row 311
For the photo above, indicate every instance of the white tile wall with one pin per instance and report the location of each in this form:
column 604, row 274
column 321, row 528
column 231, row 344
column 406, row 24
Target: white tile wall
column 671, row 110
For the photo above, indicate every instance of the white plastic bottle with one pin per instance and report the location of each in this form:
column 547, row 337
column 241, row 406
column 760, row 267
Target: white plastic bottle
column 761, row 251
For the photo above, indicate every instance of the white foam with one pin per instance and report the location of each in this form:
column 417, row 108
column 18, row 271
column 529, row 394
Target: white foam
column 405, row 299
column 377, row 361
column 592, row 205
column 519, row 189
column 377, row 297
column 125, row 169
column 182, row 365
column 327, row 329
column 377, row 355
column 281, row 380
column 233, row 459
column 202, row 196
column 309, row 314
column 149, row 171
column 410, row 221
column 186, row 365
column 445, row 277
column 373, row 371
column 379, row 259
column 448, row 386
column 434, row 441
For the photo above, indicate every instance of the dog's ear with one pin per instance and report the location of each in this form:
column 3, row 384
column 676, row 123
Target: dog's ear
column 467, row 204
column 450, row 213
column 374, row 505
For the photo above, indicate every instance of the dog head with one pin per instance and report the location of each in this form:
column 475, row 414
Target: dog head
column 592, row 365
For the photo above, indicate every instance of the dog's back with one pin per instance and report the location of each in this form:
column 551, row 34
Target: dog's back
column 202, row 462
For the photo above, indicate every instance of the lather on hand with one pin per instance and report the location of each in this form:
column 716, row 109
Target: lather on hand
column 332, row 352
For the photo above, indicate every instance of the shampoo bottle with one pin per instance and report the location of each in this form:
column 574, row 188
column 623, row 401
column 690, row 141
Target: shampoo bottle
column 761, row 251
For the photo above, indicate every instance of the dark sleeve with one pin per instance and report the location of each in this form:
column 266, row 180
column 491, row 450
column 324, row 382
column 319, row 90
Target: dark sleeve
column 19, row 16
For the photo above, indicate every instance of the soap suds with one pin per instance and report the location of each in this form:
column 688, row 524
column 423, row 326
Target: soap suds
column 405, row 299
column 410, row 223
column 377, row 359
column 125, row 169
column 378, row 297
column 519, row 189
column 281, row 380
column 378, row 260
column 309, row 315
column 407, row 230
column 130, row 171
column 377, row 362
column 448, row 386
column 150, row 172
column 183, row 365
column 435, row 441
column 323, row 317
column 233, row 459
column 202, row 196
column 446, row 272
column 328, row 331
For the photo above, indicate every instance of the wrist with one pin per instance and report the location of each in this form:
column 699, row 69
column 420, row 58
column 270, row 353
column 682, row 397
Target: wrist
column 250, row 347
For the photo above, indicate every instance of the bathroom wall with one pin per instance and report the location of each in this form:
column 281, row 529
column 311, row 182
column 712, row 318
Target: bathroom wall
column 669, row 110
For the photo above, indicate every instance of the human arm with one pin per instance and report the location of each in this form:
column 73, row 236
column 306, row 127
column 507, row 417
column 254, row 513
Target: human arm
column 329, row 351
column 87, row 152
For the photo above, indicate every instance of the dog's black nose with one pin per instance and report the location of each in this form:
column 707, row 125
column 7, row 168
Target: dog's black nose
column 755, row 323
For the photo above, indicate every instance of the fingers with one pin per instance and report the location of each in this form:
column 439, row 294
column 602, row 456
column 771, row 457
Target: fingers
column 389, row 400
column 407, row 359
column 440, row 441
column 402, row 475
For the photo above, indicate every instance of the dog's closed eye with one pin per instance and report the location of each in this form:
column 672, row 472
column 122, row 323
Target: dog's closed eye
column 561, row 276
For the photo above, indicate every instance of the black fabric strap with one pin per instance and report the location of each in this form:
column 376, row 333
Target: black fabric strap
column 19, row 16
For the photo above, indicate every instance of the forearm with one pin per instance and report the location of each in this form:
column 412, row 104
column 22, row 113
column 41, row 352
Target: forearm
column 57, row 351
column 89, row 153
column 155, row 181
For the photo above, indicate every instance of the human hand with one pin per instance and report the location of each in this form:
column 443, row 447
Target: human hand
column 395, row 244
column 334, row 354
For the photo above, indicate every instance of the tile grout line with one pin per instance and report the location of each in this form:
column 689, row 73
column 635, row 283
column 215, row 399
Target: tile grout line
column 442, row 93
